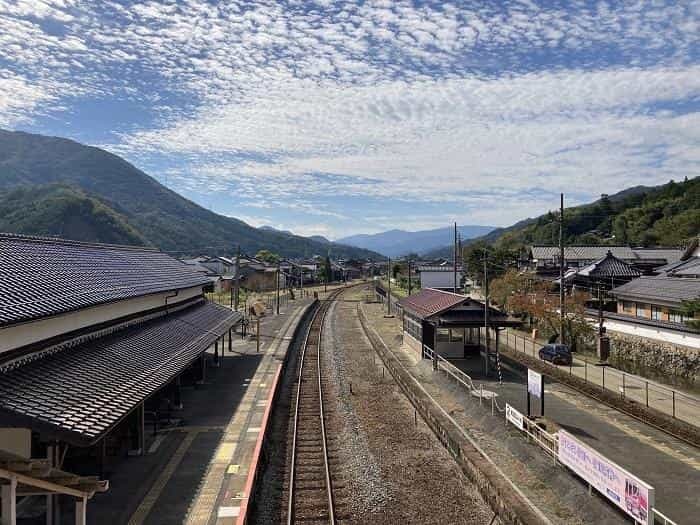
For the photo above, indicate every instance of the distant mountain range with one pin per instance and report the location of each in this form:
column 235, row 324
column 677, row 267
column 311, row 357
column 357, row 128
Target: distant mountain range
column 394, row 243
column 55, row 186
column 666, row 215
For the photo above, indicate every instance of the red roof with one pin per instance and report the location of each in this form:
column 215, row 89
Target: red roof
column 430, row 301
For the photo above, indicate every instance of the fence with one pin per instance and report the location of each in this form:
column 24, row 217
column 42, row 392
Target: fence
column 547, row 442
column 653, row 395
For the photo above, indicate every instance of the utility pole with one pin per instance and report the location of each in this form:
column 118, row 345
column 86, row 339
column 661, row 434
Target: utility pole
column 561, row 269
column 486, row 315
column 454, row 269
column 278, row 287
column 301, row 278
column 388, row 278
column 238, row 276
column 409, row 276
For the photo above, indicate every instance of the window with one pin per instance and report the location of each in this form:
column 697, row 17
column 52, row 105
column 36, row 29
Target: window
column 640, row 311
column 443, row 335
column 655, row 313
column 412, row 327
column 628, row 307
column 456, row 335
column 675, row 316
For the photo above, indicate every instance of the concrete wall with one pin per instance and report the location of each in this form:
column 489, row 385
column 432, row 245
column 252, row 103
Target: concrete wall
column 27, row 333
column 655, row 334
column 17, row 441
column 661, row 356
column 413, row 343
column 438, row 279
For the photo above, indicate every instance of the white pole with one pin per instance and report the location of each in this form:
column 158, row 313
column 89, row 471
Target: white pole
column 80, row 511
column 9, row 502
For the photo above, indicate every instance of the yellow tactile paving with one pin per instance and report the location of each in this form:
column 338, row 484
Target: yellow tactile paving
column 249, row 413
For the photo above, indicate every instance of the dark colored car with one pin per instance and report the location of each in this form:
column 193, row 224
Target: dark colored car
column 557, row 354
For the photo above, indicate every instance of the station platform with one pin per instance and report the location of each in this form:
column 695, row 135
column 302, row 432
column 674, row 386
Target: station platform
column 198, row 471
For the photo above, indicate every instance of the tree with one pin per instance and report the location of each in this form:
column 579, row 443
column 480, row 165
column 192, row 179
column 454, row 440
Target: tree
column 503, row 288
column 691, row 309
column 542, row 307
column 395, row 270
column 267, row 256
column 327, row 270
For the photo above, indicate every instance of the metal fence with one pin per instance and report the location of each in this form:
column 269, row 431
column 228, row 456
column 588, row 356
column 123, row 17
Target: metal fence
column 629, row 386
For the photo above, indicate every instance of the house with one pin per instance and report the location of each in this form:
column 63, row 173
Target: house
column 605, row 274
column 447, row 323
column 544, row 260
column 93, row 338
column 441, row 277
column 658, row 297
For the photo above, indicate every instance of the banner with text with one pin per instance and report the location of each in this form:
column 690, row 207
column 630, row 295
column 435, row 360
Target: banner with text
column 628, row 492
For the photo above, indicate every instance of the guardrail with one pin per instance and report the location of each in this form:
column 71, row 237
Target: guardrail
column 678, row 405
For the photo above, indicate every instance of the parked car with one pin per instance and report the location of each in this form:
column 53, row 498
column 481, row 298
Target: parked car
column 556, row 353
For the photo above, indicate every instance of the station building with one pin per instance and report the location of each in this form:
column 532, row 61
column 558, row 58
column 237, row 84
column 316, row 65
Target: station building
column 95, row 340
column 449, row 324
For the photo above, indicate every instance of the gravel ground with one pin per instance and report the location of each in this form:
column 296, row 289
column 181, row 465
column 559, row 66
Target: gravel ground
column 390, row 462
column 559, row 495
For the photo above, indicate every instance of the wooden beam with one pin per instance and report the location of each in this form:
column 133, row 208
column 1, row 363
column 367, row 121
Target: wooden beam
column 40, row 484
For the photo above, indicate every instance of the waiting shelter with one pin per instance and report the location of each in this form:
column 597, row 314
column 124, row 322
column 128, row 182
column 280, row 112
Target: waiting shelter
column 450, row 325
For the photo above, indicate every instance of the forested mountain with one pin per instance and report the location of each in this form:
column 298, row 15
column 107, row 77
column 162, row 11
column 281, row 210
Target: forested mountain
column 666, row 215
column 55, row 186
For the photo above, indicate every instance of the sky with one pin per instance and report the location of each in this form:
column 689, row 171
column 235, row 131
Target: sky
column 335, row 118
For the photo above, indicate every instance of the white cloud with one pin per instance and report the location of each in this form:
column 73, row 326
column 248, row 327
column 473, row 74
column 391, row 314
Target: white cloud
column 431, row 103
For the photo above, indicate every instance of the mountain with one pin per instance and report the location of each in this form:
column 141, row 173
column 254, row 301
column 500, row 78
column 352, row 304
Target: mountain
column 66, row 212
column 120, row 203
column 394, row 243
column 666, row 215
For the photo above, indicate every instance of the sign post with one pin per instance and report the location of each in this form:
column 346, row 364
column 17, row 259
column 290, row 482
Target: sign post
column 535, row 386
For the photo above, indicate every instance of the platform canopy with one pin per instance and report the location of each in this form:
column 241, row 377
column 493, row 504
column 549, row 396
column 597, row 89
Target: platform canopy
column 78, row 392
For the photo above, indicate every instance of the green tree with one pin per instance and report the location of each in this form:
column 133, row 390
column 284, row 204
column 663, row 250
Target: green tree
column 267, row 256
column 691, row 309
column 327, row 270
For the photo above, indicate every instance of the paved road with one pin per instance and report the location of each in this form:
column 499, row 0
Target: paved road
column 644, row 391
column 668, row 464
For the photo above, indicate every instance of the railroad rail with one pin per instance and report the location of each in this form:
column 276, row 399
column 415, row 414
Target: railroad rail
column 311, row 497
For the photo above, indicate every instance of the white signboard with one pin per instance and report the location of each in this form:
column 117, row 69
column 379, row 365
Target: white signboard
column 515, row 417
column 628, row 492
column 534, row 383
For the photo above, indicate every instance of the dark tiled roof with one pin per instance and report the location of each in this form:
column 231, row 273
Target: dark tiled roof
column 609, row 266
column 661, row 289
column 81, row 392
column 664, row 254
column 587, row 253
column 688, row 268
column 41, row 277
column 430, row 301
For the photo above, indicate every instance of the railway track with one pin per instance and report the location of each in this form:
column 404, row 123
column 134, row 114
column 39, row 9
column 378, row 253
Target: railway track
column 310, row 487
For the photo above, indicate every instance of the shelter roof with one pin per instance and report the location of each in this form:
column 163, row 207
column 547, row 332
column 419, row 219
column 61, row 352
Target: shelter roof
column 79, row 392
column 41, row 277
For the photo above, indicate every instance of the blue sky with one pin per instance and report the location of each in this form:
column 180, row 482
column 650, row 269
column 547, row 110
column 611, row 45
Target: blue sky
column 337, row 118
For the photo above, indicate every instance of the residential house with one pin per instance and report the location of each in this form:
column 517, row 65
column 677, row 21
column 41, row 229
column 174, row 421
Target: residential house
column 603, row 274
column 441, row 277
column 544, row 260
